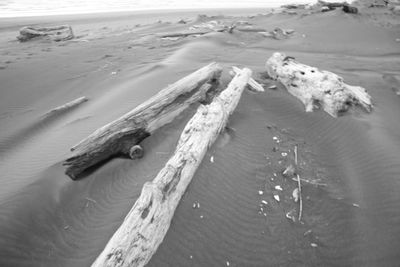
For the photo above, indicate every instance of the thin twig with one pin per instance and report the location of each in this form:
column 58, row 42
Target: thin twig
column 310, row 182
column 91, row 200
column 300, row 198
column 299, row 185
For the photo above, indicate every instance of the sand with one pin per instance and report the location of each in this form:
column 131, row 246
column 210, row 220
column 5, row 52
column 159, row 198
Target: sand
column 117, row 61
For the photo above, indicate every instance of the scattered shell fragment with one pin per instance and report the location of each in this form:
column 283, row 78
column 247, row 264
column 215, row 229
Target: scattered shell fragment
column 290, row 215
column 356, row 205
column 295, row 194
column 307, row 232
column 277, row 198
column 227, row 263
column 212, row 159
column 289, row 171
column 272, row 87
column 314, row 245
column 284, row 154
column 264, row 202
column 278, row 187
column 260, row 192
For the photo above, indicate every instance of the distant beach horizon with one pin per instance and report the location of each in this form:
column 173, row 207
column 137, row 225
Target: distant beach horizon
column 25, row 8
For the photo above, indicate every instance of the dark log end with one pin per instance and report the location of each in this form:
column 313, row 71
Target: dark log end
column 85, row 162
column 136, row 152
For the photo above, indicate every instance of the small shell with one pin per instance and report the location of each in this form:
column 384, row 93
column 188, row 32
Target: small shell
column 278, row 187
column 295, row 194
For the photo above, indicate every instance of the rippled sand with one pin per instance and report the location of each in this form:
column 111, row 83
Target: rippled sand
column 46, row 219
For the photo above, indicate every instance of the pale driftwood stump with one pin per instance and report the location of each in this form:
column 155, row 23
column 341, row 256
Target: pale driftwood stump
column 145, row 226
column 54, row 33
column 119, row 136
column 316, row 88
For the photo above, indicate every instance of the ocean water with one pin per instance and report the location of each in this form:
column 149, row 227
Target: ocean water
column 21, row 8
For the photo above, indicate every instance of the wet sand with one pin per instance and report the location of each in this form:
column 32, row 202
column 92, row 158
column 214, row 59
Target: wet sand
column 46, row 219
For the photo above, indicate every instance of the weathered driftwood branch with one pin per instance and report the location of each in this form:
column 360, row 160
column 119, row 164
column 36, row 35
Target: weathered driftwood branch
column 182, row 34
column 119, row 136
column 66, row 106
column 253, row 85
column 316, row 88
column 55, row 33
column 145, row 226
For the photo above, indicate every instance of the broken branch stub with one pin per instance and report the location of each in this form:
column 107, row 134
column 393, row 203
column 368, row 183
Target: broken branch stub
column 145, row 226
column 253, row 84
column 316, row 88
column 119, row 136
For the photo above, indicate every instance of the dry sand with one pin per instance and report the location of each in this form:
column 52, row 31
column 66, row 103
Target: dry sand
column 46, row 219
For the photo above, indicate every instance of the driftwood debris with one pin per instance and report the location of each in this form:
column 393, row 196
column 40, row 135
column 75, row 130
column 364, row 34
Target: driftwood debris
column 331, row 5
column 278, row 33
column 316, row 88
column 145, row 226
column 119, row 136
column 54, row 33
column 350, row 9
column 183, row 33
column 65, row 107
column 253, row 84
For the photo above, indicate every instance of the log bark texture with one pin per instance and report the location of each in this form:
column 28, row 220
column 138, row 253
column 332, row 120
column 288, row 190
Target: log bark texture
column 66, row 106
column 316, row 88
column 145, row 226
column 54, row 33
column 119, row 136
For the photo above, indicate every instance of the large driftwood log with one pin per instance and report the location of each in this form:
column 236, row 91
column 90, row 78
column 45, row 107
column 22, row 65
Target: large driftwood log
column 55, row 33
column 119, row 136
column 66, row 106
column 145, row 226
column 316, row 88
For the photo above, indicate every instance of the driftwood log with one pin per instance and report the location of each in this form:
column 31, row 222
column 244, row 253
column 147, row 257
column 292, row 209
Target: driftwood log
column 54, row 33
column 65, row 107
column 119, row 136
column 316, row 88
column 145, row 226
column 253, row 84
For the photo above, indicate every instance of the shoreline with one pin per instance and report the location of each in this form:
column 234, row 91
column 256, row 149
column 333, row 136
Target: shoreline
column 87, row 17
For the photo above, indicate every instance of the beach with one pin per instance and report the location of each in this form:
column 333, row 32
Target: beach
column 119, row 60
